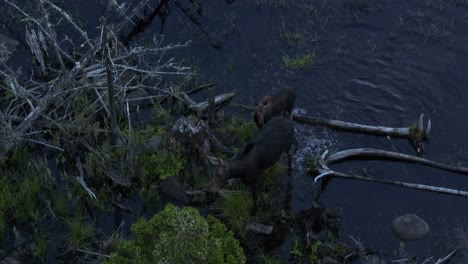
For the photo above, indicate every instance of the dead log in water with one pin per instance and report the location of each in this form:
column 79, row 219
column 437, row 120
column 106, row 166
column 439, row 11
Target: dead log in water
column 390, row 155
column 219, row 101
column 325, row 171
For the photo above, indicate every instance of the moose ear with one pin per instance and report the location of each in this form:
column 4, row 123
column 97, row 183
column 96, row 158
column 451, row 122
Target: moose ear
column 265, row 100
column 254, row 102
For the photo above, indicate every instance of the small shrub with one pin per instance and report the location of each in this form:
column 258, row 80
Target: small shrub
column 179, row 236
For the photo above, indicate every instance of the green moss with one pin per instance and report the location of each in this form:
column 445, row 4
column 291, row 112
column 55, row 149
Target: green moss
column 179, row 236
column 415, row 133
column 299, row 62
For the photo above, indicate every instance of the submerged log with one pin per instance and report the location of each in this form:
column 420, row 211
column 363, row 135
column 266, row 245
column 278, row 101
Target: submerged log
column 219, row 101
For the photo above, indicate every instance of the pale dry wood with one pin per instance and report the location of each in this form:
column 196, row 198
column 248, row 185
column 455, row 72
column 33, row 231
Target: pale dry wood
column 325, row 171
column 383, row 154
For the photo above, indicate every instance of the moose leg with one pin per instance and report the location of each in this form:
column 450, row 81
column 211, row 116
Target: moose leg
column 288, row 193
column 254, row 197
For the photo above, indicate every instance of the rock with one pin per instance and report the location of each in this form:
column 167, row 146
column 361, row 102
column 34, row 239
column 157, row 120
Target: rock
column 410, row 227
column 259, row 228
column 172, row 187
column 10, row 44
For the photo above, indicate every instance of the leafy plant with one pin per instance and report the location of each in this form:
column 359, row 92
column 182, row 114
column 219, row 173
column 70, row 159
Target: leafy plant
column 177, row 235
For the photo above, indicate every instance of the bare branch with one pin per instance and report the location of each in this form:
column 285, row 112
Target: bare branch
column 383, row 154
column 325, row 171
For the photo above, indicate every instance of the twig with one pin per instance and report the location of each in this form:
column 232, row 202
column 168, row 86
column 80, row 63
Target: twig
column 447, row 258
column 93, row 253
column 143, row 23
column 81, row 178
column 199, row 88
column 70, row 20
column 43, row 143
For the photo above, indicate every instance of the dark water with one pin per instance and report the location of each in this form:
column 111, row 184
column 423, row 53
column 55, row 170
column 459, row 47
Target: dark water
column 377, row 63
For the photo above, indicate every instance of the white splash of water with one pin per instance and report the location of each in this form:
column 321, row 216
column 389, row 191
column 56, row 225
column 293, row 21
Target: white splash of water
column 310, row 142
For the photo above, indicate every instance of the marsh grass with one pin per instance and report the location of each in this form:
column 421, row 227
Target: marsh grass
column 62, row 203
column 236, row 210
column 39, row 249
column 80, row 232
column 294, row 37
column 23, row 188
column 299, row 62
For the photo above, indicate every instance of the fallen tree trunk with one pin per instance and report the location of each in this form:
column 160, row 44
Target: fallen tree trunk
column 325, row 171
column 377, row 153
column 416, row 132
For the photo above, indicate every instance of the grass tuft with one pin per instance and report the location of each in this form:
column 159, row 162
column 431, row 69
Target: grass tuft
column 299, row 62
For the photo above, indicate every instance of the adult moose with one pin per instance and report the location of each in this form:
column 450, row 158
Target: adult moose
column 280, row 103
column 262, row 152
